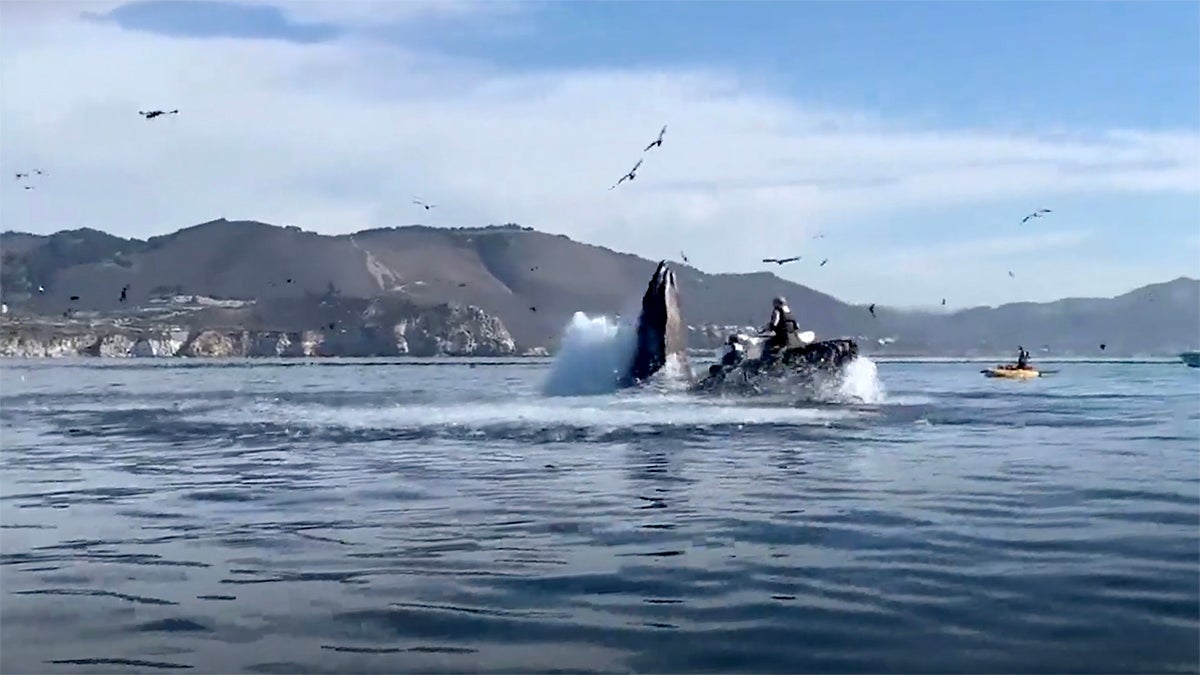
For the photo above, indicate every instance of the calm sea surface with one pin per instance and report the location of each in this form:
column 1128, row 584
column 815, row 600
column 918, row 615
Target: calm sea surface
column 251, row 516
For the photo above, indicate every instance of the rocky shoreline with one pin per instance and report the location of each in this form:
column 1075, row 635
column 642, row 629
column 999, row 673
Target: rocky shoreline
column 443, row 330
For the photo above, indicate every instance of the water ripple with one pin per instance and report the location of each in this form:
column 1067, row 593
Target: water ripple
column 278, row 518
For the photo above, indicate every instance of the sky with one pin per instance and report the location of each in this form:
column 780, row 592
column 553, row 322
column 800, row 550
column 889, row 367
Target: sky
column 901, row 141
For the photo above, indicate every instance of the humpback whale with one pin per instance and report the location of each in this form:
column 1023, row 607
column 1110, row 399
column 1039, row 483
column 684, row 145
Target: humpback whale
column 661, row 333
column 662, row 337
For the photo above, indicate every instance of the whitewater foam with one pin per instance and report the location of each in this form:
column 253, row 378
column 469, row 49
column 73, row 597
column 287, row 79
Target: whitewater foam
column 594, row 351
column 609, row 413
column 860, row 382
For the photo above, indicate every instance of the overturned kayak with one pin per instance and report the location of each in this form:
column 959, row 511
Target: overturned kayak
column 1011, row 372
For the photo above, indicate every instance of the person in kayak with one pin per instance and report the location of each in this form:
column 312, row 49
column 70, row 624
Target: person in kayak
column 733, row 352
column 1022, row 358
column 780, row 330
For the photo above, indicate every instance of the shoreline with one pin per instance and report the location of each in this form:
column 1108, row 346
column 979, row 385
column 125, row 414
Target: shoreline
column 526, row 359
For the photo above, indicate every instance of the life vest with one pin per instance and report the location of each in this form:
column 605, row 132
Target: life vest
column 785, row 327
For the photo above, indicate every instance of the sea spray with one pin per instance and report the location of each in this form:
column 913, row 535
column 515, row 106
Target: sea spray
column 594, row 352
column 860, row 382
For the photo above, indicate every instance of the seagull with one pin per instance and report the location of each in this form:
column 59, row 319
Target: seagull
column 871, row 309
column 418, row 202
column 683, row 255
column 1011, row 275
column 630, row 176
column 22, row 175
column 123, row 292
column 780, row 261
column 1036, row 214
column 151, row 114
column 658, row 141
column 823, row 262
column 943, row 302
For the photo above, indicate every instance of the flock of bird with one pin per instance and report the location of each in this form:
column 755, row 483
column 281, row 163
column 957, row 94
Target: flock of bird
column 24, row 175
column 630, row 176
column 632, row 173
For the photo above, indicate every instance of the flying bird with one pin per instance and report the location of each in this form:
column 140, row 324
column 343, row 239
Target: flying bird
column 28, row 187
column 658, row 141
column 1011, row 275
column 943, row 302
column 151, row 114
column 780, row 261
column 823, row 262
column 22, row 175
column 629, row 176
column 684, row 256
column 1036, row 214
column 871, row 309
column 418, row 202
column 123, row 292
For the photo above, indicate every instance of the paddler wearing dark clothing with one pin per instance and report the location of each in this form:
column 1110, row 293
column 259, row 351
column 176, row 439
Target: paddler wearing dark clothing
column 780, row 329
column 1022, row 357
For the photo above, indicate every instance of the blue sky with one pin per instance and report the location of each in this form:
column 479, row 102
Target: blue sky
column 1035, row 93
column 1089, row 65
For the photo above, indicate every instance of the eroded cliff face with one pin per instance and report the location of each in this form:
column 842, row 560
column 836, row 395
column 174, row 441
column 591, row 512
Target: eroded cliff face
column 436, row 331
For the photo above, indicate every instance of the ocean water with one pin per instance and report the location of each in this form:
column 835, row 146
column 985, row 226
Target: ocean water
column 386, row 516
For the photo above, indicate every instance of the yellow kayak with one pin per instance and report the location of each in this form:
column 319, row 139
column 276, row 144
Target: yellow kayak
column 1011, row 373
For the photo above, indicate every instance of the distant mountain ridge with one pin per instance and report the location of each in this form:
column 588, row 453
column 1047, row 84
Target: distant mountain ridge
column 534, row 282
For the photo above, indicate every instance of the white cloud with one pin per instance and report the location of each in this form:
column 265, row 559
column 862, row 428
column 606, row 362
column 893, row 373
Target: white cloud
column 369, row 13
column 339, row 136
column 20, row 13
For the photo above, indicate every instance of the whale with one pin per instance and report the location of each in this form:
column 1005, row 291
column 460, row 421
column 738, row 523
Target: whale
column 661, row 338
column 661, row 335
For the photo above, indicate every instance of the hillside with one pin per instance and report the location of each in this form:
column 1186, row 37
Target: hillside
column 534, row 281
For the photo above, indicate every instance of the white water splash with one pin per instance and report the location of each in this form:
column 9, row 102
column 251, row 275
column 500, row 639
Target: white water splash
column 594, row 351
column 860, row 382
column 674, row 376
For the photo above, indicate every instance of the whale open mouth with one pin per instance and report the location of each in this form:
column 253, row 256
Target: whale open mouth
column 661, row 332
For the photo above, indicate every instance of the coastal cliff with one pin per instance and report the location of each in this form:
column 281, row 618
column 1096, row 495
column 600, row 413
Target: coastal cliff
column 380, row 330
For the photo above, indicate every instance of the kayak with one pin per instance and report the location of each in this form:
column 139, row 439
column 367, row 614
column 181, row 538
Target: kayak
column 1011, row 373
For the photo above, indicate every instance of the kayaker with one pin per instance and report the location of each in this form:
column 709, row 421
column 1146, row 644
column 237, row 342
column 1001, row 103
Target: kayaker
column 779, row 330
column 733, row 352
column 1022, row 358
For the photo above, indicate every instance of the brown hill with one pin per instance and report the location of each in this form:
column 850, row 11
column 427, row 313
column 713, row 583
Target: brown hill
column 533, row 282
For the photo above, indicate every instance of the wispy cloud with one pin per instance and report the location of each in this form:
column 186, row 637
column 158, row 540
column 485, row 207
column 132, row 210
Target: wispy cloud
column 339, row 135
